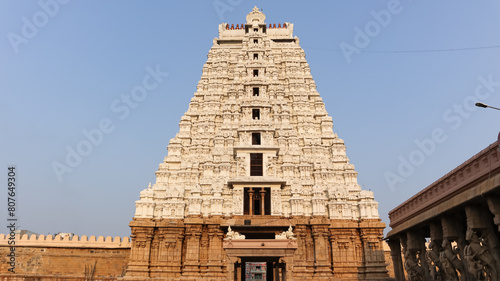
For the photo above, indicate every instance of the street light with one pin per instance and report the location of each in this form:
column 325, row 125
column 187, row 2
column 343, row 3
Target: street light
column 483, row 105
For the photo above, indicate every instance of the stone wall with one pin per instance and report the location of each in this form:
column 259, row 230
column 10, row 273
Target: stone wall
column 57, row 257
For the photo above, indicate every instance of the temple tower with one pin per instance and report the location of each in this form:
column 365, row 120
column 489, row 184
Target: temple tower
column 256, row 175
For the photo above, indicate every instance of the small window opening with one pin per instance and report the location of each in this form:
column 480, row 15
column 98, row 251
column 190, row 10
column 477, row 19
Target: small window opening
column 256, row 91
column 256, row 138
column 256, row 114
column 255, row 164
column 255, row 56
column 255, row 30
column 255, row 73
column 256, row 41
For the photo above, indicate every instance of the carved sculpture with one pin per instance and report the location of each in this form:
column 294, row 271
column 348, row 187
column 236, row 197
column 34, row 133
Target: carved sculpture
column 233, row 235
column 449, row 260
column 414, row 270
column 435, row 266
column 286, row 234
column 480, row 262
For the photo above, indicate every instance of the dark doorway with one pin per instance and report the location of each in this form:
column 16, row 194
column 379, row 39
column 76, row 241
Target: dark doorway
column 261, row 268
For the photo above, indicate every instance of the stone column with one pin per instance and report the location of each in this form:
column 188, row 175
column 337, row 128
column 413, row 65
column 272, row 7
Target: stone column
column 480, row 227
column 142, row 236
column 233, row 268
column 344, row 255
column 262, row 203
column 191, row 265
column 204, row 242
column 494, row 206
column 416, row 246
column 169, row 252
column 215, row 236
column 435, row 248
column 322, row 264
column 300, row 257
column 371, row 233
column 397, row 261
column 452, row 232
column 250, row 203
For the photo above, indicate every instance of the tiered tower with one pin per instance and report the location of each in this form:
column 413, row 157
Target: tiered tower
column 256, row 151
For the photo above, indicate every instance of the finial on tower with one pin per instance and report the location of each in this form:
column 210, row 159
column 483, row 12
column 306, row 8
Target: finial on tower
column 256, row 16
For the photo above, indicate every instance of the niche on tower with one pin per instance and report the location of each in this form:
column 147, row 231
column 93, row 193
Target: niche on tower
column 257, row 201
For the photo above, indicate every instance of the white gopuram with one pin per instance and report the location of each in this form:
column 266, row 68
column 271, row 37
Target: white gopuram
column 256, row 153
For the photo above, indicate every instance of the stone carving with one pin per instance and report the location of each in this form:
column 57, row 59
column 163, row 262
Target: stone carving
column 286, row 234
column 413, row 268
column 480, row 263
column 450, row 261
column 237, row 202
column 435, row 266
column 233, row 235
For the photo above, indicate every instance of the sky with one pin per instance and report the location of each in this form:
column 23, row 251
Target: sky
column 399, row 79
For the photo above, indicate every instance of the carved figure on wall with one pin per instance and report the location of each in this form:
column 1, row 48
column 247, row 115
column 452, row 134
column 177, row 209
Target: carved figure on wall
column 478, row 257
column 241, row 166
column 286, row 234
column 450, row 261
column 237, row 201
column 275, row 202
column 435, row 265
column 245, row 139
column 475, row 267
column 413, row 269
column 233, row 235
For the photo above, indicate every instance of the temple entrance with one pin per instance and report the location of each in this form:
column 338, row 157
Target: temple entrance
column 261, row 258
column 260, row 268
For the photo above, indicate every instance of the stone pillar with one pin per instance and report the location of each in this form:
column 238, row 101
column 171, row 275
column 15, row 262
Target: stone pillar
column 322, row 265
column 300, row 257
column 191, row 263
column 435, row 268
column 416, row 247
column 451, row 232
column 371, row 232
column 233, row 268
column 345, row 258
column 494, row 206
column 262, row 203
column 142, row 236
column 204, row 242
column 215, row 236
column 483, row 239
column 250, row 203
column 397, row 261
column 287, row 269
column 168, row 263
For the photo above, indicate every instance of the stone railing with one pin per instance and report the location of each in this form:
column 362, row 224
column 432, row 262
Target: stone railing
column 459, row 179
column 66, row 241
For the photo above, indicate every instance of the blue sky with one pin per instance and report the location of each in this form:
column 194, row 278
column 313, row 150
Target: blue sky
column 404, row 100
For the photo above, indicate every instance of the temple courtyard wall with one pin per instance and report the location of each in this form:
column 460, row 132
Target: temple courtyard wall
column 58, row 258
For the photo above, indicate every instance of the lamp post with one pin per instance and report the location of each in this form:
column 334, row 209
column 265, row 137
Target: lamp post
column 483, row 105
